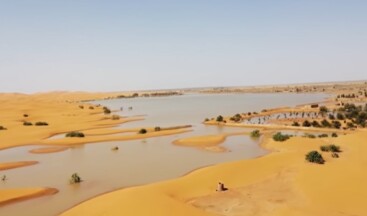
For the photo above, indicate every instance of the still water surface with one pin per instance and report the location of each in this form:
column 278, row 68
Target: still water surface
column 140, row 161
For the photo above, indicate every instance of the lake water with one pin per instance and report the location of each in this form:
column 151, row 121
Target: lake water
column 140, row 161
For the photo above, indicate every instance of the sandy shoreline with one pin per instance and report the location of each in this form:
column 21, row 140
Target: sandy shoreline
column 280, row 183
column 17, row 164
column 12, row 196
column 303, row 195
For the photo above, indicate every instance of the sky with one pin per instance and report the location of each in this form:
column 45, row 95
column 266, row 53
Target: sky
column 94, row 45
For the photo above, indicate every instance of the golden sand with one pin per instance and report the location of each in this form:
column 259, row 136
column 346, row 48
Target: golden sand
column 281, row 183
column 9, row 196
column 12, row 165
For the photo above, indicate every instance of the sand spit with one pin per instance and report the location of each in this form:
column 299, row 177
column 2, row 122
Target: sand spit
column 207, row 142
column 48, row 150
column 11, row 196
column 101, row 138
column 13, row 165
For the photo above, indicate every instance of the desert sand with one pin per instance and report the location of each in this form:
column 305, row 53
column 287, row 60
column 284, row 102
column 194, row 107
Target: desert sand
column 281, row 183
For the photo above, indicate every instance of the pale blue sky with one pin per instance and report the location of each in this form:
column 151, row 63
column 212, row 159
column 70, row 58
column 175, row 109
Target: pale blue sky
column 130, row 45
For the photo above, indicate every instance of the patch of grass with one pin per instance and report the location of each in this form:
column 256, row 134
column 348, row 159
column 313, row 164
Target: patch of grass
column 41, row 124
column 75, row 134
column 315, row 157
column 143, row 131
column 279, row 137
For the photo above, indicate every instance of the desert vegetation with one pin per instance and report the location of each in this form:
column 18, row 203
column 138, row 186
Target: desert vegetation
column 106, row 110
column 27, row 123
column 75, row 178
column 279, row 137
column 315, row 157
column 143, row 131
column 330, row 148
column 75, row 134
column 40, row 123
column 255, row 134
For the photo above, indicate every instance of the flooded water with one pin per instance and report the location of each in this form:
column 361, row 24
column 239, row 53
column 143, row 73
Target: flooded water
column 140, row 161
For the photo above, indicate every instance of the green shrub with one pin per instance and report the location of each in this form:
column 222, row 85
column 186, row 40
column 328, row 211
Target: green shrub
column 157, row 128
column 296, row 124
column 330, row 148
column 323, row 135
column 310, row 136
column 75, row 134
column 306, row 123
column 27, row 123
column 315, row 157
column 41, row 124
column 75, row 178
column 334, row 148
column 325, row 123
column 315, row 124
column 143, row 131
column 280, row 137
column 255, row 134
column 335, row 155
column 219, row 118
column 323, row 109
column 106, row 110
column 334, row 134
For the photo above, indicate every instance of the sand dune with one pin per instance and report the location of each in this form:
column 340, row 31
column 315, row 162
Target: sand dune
column 281, row 183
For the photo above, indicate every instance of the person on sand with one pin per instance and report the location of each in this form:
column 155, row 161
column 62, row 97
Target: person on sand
column 221, row 187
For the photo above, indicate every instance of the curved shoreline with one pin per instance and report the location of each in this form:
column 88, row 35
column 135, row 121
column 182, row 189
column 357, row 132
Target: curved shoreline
column 27, row 195
column 285, row 156
column 18, row 164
